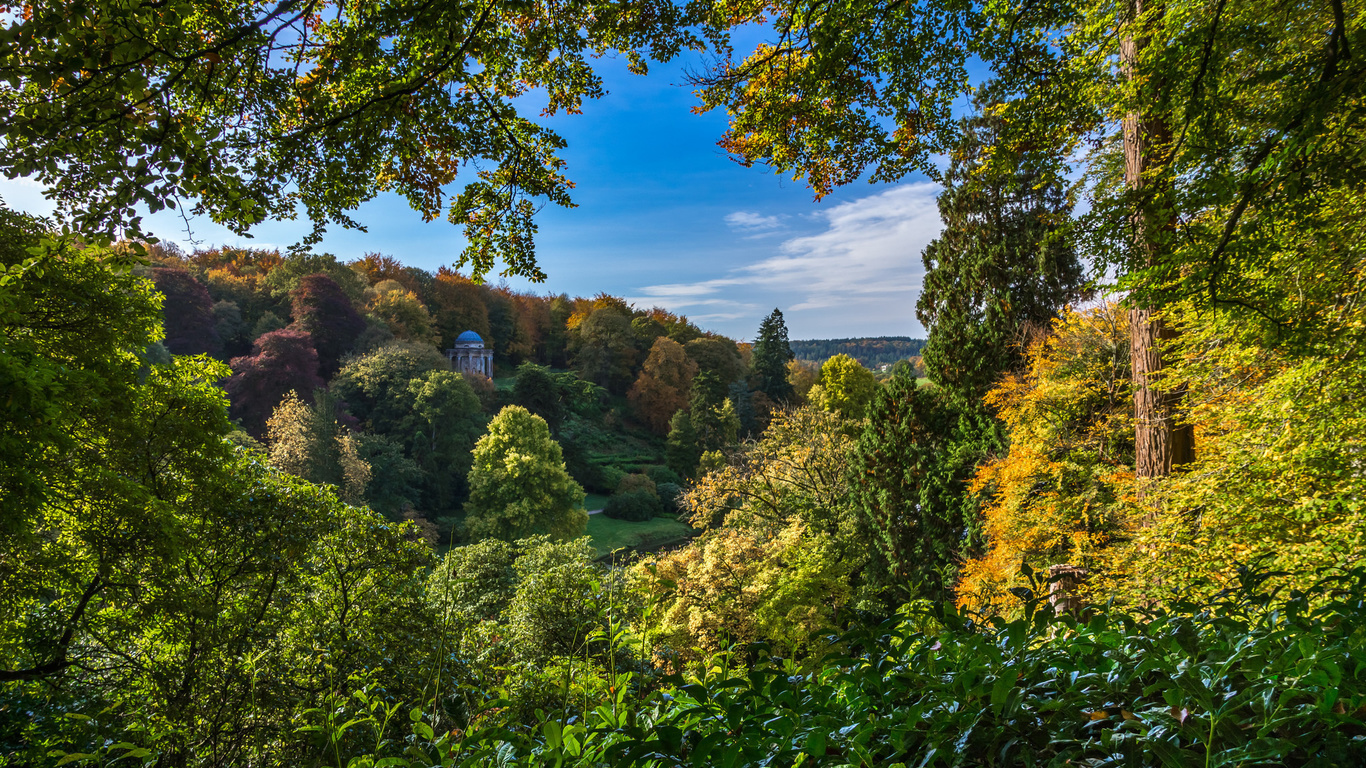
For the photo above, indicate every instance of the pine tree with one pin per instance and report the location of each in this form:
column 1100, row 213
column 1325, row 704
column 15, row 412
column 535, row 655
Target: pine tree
column 770, row 358
column 1001, row 267
column 913, row 461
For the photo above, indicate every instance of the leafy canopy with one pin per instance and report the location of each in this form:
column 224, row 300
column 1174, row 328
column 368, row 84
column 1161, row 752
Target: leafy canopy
column 248, row 111
column 518, row 484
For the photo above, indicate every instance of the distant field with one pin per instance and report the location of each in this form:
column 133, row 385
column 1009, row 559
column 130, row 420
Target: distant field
column 871, row 352
column 594, row 501
column 610, row 535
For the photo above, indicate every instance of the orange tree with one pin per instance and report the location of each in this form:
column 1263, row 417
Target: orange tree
column 1059, row 494
column 662, row 388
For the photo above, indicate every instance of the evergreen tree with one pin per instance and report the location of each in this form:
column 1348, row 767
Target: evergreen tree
column 912, row 462
column 770, row 358
column 1001, row 267
column 681, row 450
column 710, row 425
column 534, row 389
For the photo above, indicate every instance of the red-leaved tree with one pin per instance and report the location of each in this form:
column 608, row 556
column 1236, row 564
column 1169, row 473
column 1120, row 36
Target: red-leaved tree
column 191, row 328
column 281, row 361
column 323, row 311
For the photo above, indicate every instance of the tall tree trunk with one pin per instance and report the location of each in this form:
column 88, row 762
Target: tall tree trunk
column 1160, row 442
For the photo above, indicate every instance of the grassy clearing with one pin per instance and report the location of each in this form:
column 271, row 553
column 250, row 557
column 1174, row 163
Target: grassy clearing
column 594, row 501
column 610, row 535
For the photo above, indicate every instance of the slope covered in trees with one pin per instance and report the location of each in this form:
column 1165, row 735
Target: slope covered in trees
column 871, row 352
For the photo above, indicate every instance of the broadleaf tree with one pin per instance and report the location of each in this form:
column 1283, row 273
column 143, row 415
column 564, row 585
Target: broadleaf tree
column 1194, row 118
column 518, row 484
column 244, row 111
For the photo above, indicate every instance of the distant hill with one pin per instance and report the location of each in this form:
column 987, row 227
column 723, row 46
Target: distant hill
column 872, row 352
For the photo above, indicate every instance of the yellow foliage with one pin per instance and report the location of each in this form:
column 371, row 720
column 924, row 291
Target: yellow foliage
column 1058, row 495
column 777, row 560
column 740, row 584
column 1277, row 398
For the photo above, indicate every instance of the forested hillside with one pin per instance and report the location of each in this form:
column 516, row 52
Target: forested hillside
column 251, row 515
column 872, row 353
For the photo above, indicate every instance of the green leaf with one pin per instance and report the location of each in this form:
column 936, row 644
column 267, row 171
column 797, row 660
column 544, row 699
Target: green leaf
column 1000, row 690
column 551, row 731
column 815, row 744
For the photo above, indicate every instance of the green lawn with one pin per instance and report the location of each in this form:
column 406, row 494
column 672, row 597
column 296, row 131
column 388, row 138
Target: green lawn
column 594, row 501
column 610, row 535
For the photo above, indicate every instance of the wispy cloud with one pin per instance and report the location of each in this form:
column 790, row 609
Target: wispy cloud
column 753, row 224
column 866, row 259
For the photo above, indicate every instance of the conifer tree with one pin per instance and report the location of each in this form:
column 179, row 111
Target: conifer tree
column 770, row 359
column 534, row 389
column 709, row 425
column 913, row 461
column 1001, row 266
column 681, row 450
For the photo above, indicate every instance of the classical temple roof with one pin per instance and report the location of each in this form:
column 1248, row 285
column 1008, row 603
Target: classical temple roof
column 469, row 337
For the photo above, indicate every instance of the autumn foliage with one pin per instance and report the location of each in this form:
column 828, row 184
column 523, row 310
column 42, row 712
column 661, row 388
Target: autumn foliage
column 326, row 314
column 281, row 361
column 662, row 388
column 1061, row 495
column 188, row 309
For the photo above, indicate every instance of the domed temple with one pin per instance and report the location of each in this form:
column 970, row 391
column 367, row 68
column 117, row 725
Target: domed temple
column 469, row 355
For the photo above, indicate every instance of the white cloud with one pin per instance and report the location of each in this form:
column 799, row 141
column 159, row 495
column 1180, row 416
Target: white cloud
column 752, row 223
column 866, row 260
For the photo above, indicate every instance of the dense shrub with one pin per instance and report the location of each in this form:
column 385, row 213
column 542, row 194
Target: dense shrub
column 634, row 506
column 670, row 497
column 609, row 477
column 662, row 474
column 636, row 482
column 1241, row 680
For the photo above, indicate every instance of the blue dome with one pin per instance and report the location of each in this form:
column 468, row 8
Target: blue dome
column 468, row 336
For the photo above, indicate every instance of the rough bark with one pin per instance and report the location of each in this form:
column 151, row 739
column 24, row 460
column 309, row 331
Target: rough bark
column 1161, row 443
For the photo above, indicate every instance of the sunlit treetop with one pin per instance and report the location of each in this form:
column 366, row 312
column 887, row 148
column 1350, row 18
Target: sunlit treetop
column 244, row 110
column 1257, row 97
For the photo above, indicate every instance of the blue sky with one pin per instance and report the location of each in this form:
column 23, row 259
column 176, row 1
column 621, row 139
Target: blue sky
column 665, row 218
